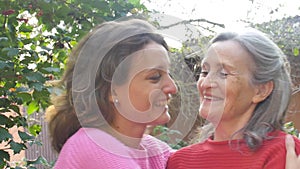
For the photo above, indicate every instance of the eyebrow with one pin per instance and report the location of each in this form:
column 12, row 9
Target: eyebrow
column 222, row 65
column 160, row 67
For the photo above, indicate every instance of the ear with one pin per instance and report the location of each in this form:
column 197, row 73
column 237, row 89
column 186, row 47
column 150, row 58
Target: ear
column 110, row 98
column 263, row 91
column 112, row 95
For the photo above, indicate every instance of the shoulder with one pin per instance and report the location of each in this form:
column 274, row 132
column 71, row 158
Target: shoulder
column 89, row 137
column 79, row 147
column 274, row 146
column 273, row 150
column 188, row 149
column 155, row 145
column 93, row 148
column 277, row 139
column 188, row 152
column 183, row 157
column 76, row 141
column 74, row 153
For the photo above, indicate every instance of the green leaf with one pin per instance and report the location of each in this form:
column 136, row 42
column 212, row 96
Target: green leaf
column 4, row 119
column 3, row 39
column 3, row 156
column 40, row 95
column 25, row 137
column 36, row 142
column 39, row 160
column 35, row 77
column 67, row 39
column 11, row 51
column 21, row 121
column 296, row 52
column 134, row 2
column 4, row 65
column 25, row 28
column 31, row 167
column 62, row 55
column 32, row 107
column 51, row 69
column 15, row 108
column 4, row 134
column 37, row 86
column 17, row 147
column 26, row 97
column 4, row 102
column 35, row 129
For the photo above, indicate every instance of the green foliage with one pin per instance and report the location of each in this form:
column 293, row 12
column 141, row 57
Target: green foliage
column 36, row 37
column 289, row 127
column 285, row 33
column 164, row 134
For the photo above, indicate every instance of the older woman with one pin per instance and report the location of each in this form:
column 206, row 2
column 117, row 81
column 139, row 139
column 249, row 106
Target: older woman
column 244, row 90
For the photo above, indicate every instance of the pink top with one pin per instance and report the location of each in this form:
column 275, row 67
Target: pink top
column 95, row 149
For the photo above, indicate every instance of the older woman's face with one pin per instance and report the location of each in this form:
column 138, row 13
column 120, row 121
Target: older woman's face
column 225, row 86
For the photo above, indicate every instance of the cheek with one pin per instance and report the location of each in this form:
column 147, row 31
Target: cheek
column 230, row 89
column 233, row 92
column 139, row 99
column 199, row 82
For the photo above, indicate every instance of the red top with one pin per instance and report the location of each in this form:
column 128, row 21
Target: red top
column 234, row 155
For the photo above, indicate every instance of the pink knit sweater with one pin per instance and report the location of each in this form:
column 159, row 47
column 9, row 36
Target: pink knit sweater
column 94, row 149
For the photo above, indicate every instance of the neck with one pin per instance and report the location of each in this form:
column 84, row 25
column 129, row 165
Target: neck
column 227, row 129
column 223, row 133
column 128, row 132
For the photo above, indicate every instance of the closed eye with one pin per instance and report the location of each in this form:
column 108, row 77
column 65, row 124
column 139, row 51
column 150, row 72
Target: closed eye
column 223, row 74
column 155, row 77
column 203, row 73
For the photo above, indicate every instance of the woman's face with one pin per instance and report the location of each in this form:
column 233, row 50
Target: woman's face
column 144, row 98
column 224, row 85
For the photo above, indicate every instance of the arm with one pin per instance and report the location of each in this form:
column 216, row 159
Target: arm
column 292, row 160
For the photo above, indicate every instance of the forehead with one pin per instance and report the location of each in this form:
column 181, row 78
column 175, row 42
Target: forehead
column 151, row 56
column 229, row 53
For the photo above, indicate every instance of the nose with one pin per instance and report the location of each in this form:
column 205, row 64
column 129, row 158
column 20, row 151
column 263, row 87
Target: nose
column 170, row 86
column 205, row 82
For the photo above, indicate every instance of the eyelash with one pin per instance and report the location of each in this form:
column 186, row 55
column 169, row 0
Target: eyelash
column 203, row 73
column 222, row 74
column 155, row 77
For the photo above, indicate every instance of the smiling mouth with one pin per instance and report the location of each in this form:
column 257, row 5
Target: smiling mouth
column 162, row 104
column 211, row 98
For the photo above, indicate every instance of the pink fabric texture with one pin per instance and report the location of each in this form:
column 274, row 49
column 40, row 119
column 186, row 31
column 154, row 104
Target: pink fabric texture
column 94, row 149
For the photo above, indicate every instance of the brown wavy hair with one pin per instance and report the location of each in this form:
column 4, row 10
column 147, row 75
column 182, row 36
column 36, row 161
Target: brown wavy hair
column 112, row 40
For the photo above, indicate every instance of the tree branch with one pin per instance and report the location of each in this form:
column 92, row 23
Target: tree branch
column 192, row 20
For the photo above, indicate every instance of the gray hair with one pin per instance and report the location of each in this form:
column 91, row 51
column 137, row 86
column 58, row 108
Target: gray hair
column 270, row 65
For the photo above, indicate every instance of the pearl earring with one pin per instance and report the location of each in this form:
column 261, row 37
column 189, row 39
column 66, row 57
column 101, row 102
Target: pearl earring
column 116, row 101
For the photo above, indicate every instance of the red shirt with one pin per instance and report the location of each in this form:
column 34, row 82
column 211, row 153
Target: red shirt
column 235, row 155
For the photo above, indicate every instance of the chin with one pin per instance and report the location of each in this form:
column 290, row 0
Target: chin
column 203, row 114
column 163, row 119
column 210, row 116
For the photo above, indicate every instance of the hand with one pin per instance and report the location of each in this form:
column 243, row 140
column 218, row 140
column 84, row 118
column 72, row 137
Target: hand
column 292, row 160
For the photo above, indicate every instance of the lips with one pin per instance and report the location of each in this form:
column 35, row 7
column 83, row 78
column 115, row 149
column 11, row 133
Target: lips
column 162, row 103
column 209, row 97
